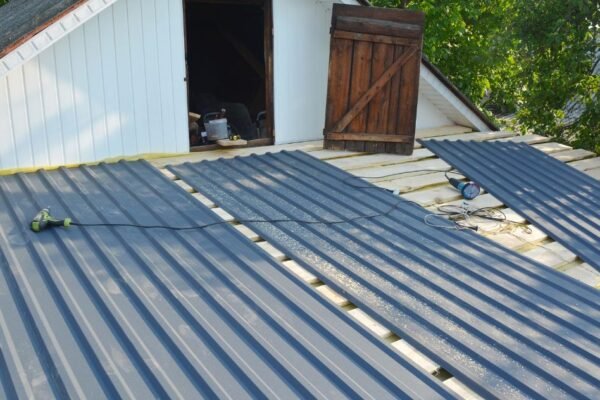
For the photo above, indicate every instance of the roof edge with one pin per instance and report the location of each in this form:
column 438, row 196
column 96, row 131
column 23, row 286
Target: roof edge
column 18, row 42
column 460, row 95
column 45, row 35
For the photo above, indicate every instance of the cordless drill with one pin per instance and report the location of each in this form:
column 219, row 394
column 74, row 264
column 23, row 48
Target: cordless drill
column 44, row 220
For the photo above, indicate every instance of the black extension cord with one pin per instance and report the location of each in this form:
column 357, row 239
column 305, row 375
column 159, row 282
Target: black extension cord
column 455, row 215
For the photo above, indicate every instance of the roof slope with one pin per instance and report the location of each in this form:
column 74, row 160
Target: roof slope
column 558, row 199
column 31, row 26
column 507, row 326
column 21, row 19
column 152, row 313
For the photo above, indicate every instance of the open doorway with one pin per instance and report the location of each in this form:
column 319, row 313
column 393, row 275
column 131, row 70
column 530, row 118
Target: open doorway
column 229, row 65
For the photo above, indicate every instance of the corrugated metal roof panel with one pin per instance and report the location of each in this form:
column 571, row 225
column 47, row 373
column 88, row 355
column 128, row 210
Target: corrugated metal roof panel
column 505, row 325
column 560, row 200
column 125, row 312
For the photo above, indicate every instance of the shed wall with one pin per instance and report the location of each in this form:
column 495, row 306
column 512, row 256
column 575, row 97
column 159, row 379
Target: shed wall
column 113, row 87
column 428, row 115
column 300, row 62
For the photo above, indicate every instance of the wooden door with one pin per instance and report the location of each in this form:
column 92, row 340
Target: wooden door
column 373, row 85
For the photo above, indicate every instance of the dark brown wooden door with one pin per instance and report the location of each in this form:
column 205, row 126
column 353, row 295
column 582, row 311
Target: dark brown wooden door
column 373, row 79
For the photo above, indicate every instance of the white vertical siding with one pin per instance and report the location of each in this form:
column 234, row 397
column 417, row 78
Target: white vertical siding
column 115, row 86
column 300, row 64
column 428, row 115
column 112, row 87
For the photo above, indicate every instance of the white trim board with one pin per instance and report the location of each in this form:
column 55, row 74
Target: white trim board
column 447, row 102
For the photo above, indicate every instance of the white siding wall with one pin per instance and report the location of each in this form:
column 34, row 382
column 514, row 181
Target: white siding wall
column 428, row 115
column 113, row 87
column 300, row 63
column 300, row 67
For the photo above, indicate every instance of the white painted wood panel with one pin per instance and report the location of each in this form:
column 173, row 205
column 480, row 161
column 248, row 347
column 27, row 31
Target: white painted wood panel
column 51, row 34
column 429, row 116
column 300, row 62
column 112, row 87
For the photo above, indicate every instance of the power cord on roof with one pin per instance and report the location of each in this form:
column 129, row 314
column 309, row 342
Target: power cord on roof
column 466, row 217
column 461, row 218
column 44, row 220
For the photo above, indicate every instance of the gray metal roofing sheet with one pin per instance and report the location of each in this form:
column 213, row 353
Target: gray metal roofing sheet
column 560, row 200
column 126, row 312
column 504, row 324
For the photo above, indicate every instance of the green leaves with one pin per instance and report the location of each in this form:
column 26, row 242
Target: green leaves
column 532, row 60
column 558, row 47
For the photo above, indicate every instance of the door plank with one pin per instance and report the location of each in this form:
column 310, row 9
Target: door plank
column 360, row 83
column 409, row 92
column 379, row 108
column 340, row 72
column 362, row 102
column 366, row 37
column 394, row 95
column 374, row 137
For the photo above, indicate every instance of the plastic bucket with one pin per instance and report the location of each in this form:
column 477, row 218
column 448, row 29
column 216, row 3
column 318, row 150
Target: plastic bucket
column 216, row 129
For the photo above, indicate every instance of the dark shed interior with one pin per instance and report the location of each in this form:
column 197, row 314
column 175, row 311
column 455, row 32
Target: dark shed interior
column 226, row 60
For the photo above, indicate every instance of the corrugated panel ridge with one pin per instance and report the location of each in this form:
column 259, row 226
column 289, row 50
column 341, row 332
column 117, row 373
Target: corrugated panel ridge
column 558, row 199
column 126, row 312
column 505, row 325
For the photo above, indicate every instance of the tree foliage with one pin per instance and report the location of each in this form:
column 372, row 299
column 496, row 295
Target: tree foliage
column 533, row 60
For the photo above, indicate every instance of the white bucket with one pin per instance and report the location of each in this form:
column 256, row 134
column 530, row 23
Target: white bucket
column 216, row 129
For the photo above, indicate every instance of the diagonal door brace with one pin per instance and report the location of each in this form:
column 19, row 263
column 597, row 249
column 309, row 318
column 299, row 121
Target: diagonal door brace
column 377, row 86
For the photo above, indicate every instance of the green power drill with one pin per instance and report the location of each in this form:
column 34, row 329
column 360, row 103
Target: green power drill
column 44, row 220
